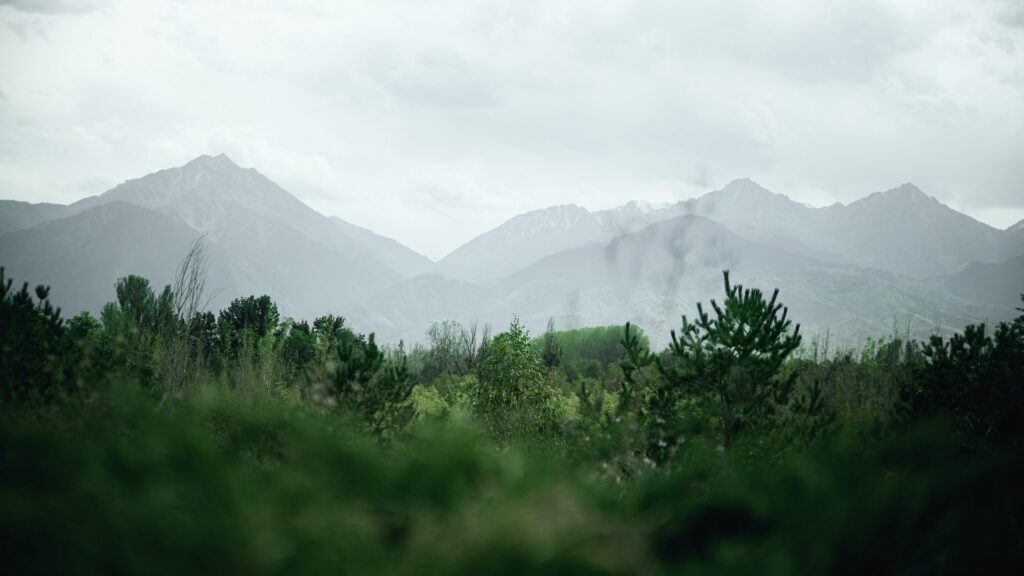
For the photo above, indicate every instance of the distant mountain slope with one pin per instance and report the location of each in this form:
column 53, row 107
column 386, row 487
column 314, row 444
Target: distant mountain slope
column 742, row 205
column 906, row 231
column 15, row 215
column 902, row 230
column 80, row 257
column 387, row 250
column 267, row 241
column 655, row 275
column 213, row 195
column 999, row 284
column 633, row 216
column 307, row 279
column 533, row 235
column 522, row 240
column 1014, row 240
column 744, row 200
column 757, row 214
column 658, row 273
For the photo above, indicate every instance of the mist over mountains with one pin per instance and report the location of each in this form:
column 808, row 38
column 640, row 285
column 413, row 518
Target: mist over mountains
column 898, row 256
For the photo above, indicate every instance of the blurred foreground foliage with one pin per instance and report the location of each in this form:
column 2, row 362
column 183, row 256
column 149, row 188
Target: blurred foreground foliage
column 157, row 441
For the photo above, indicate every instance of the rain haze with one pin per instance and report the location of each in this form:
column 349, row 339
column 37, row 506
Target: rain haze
column 432, row 122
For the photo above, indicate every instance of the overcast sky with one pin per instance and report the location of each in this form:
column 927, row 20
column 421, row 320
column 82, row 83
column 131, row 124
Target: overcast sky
column 431, row 122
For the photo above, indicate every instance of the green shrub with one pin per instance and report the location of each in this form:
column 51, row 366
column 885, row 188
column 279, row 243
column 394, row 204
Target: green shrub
column 33, row 346
column 511, row 397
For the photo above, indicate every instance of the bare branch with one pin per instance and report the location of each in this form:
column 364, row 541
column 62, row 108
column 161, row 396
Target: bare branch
column 190, row 281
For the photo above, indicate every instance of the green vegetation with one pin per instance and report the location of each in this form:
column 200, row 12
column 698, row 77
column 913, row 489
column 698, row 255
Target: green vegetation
column 166, row 439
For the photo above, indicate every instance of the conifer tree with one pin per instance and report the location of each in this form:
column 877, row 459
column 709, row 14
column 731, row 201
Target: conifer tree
column 372, row 388
column 32, row 344
column 733, row 358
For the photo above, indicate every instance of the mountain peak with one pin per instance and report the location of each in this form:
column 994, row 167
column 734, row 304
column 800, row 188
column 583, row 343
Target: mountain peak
column 560, row 210
column 906, row 191
column 642, row 207
column 905, row 197
column 745, row 188
column 1019, row 226
column 562, row 216
column 745, row 182
column 206, row 161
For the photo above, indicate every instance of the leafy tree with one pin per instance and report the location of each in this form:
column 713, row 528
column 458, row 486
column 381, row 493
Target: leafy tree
column 246, row 319
column 511, row 397
column 134, row 324
column 203, row 334
column 445, row 355
column 552, row 353
column 84, row 327
column 298, row 346
column 453, row 349
column 329, row 329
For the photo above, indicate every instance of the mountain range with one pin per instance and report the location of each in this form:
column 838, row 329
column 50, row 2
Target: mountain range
column 898, row 257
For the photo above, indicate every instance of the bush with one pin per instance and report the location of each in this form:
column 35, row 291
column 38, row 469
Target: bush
column 976, row 380
column 511, row 397
column 34, row 349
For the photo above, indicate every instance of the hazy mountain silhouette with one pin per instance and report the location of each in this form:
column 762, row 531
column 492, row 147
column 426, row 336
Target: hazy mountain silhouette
column 1014, row 240
column 215, row 196
column 270, row 242
column 81, row 256
column 852, row 269
column 16, row 215
column 522, row 240
column 902, row 230
column 654, row 275
column 906, row 231
column 1000, row 283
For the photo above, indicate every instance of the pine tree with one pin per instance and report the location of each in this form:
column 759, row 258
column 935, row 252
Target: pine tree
column 32, row 345
column 733, row 359
column 372, row 388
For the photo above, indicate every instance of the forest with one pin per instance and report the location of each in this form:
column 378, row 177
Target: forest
column 161, row 437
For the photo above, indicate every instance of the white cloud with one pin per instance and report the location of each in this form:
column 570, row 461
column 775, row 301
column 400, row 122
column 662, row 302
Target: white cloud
column 430, row 122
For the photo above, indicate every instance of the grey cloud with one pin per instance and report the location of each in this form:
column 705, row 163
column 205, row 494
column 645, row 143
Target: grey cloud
column 431, row 121
column 53, row 6
column 440, row 79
